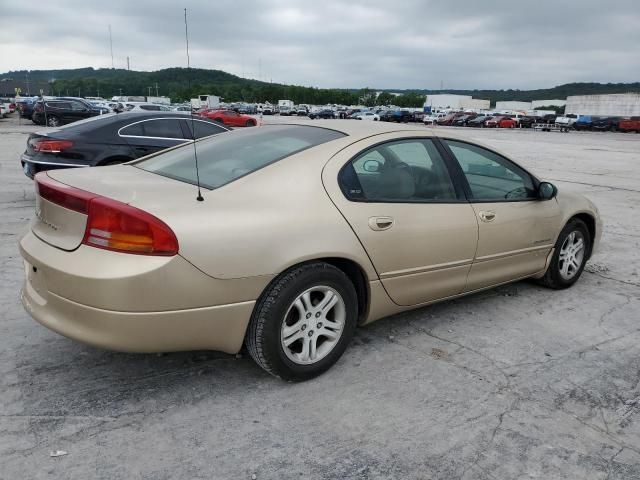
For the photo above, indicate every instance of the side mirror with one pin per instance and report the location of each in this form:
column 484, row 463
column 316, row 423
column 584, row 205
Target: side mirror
column 371, row 166
column 547, row 191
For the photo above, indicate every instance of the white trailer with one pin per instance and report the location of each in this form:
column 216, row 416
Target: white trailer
column 285, row 103
column 205, row 101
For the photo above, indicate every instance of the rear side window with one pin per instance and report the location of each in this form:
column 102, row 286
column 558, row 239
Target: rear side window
column 408, row 171
column 223, row 159
column 204, row 129
column 164, row 128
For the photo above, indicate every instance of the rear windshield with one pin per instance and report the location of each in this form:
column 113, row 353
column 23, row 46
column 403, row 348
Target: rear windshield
column 235, row 154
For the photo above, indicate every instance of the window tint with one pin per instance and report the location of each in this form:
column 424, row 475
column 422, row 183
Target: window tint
column 154, row 108
column 78, row 106
column 60, row 105
column 166, row 128
column 402, row 171
column 490, row 176
column 227, row 157
column 204, row 129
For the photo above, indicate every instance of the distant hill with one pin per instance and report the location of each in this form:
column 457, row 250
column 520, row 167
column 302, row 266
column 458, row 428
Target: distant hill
column 182, row 84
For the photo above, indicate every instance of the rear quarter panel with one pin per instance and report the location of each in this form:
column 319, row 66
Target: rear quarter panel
column 267, row 221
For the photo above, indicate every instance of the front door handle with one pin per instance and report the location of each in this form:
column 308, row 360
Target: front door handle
column 380, row 223
column 487, row 215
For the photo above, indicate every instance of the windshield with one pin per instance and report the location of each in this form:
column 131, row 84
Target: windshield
column 237, row 153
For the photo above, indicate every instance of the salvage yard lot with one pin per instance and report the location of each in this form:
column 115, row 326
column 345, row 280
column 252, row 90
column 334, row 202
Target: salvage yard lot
column 515, row 382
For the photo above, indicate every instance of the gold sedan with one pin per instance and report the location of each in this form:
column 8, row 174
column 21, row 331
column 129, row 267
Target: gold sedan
column 302, row 233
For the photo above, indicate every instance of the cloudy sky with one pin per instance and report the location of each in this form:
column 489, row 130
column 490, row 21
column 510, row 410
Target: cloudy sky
column 338, row 43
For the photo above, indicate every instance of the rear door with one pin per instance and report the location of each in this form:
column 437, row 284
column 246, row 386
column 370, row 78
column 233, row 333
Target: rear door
column 416, row 225
column 152, row 135
column 517, row 230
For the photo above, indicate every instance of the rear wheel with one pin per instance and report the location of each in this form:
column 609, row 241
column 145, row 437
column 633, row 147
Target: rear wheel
column 570, row 256
column 53, row 121
column 303, row 322
column 219, row 120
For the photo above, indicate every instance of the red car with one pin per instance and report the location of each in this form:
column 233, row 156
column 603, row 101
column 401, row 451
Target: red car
column 629, row 125
column 493, row 122
column 229, row 117
column 507, row 122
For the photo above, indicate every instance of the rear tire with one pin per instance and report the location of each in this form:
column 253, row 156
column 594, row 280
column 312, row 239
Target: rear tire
column 291, row 335
column 219, row 120
column 568, row 259
column 53, row 121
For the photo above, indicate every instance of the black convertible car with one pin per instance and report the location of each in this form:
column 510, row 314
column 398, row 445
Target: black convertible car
column 111, row 139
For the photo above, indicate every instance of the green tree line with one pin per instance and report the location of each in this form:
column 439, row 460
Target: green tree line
column 181, row 84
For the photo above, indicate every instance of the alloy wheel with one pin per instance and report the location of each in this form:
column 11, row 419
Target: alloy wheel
column 571, row 255
column 313, row 325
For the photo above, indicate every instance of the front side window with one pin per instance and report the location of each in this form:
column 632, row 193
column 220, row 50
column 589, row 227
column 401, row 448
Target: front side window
column 490, row 176
column 223, row 159
column 401, row 171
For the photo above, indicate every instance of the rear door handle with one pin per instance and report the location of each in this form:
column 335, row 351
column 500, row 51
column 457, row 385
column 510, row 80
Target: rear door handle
column 487, row 215
column 380, row 223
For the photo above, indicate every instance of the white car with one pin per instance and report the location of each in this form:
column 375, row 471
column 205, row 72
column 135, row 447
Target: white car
column 4, row 110
column 432, row 119
column 145, row 107
column 368, row 116
column 182, row 109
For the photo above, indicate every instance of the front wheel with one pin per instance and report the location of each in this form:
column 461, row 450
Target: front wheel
column 250, row 123
column 303, row 322
column 570, row 256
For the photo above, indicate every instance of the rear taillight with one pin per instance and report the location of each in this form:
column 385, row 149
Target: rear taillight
column 63, row 195
column 111, row 225
column 117, row 226
column 51, row 146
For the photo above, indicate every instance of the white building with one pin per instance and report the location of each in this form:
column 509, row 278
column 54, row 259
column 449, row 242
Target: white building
column 618, row 105
column 517, row 106
column 457, row 102
column 548, row 103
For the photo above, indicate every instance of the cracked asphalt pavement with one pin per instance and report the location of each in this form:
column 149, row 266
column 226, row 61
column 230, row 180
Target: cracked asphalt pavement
column 519, row 382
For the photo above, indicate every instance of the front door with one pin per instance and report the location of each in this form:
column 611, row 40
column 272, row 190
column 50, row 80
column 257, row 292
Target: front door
column 516, row 228
column 416, row 226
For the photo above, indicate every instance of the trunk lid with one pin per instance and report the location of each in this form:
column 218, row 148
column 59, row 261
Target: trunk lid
column 64, row 227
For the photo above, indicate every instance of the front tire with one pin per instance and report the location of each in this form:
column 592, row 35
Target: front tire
column 572, row 250
column 250, row 123
column 303, row 322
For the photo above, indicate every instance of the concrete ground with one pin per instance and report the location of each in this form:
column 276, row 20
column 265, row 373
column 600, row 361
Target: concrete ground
column 519, row 382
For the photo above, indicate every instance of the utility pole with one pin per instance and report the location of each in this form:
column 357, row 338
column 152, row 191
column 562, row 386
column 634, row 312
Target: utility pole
column 156, row 89
column 111, row 45
column 120, row 91
column 149, row 92
column 128, row 67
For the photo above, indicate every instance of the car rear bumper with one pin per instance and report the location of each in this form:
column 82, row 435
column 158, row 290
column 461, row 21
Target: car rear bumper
column 219, row 328
column 31, row 166
column 134, row 303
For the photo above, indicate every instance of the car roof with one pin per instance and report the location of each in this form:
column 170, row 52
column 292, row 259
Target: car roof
column 354, row 128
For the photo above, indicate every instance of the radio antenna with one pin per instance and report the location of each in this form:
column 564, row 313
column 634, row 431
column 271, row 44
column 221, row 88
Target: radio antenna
column 199, row 198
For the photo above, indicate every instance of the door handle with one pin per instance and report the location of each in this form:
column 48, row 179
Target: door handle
column 487, row 215
column 380, row 223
